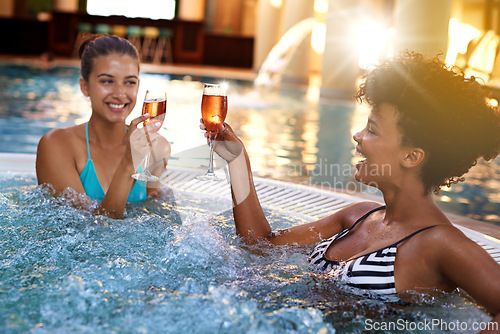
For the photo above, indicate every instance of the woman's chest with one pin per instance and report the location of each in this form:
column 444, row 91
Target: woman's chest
column 106, row 162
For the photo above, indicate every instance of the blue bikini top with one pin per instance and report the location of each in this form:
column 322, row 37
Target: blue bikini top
column 93, row 187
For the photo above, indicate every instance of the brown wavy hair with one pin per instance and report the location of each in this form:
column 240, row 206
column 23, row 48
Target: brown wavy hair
column 104, row 45
column 440, row 111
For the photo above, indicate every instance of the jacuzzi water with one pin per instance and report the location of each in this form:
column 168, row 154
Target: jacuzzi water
column 174, row 265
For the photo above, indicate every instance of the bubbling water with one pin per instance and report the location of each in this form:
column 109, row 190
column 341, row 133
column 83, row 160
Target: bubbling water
column 173, row 264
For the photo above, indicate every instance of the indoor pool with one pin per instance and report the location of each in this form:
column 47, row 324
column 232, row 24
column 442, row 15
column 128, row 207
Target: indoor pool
column 287, row 136
column 174, row 263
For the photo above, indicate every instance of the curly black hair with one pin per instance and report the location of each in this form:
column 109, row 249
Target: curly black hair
column 440, row 111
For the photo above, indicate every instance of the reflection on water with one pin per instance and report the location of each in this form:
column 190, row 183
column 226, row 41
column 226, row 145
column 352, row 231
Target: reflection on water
column 287, row 136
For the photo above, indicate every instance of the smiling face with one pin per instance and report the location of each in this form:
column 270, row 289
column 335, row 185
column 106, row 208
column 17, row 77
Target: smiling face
column 112, row 87
column 379, row 143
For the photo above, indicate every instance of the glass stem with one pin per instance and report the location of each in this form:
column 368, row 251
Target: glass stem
column 211, row 160
column 146, row 159
column 146, row 164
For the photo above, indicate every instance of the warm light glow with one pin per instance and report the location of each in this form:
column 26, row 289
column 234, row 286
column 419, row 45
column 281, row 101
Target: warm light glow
column 224, row 85
column 460, row 35
column 492, row 102
column 314, row 87
column 310, row 138
column 320, row 6
column 276, row 3
column 318, row 37
column 445, row 199
column 371, row 39
column 153, row 9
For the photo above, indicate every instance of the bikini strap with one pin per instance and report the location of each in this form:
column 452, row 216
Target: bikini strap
column 87, row 138
column 347, row 230
column 366, row 215
column 411, row 235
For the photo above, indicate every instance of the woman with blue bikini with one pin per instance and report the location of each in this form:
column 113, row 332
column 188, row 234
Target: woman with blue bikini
column 95, row 158
column 427, row 123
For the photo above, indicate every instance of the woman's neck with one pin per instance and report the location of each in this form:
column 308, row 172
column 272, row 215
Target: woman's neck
column 106, row 134
column 409, row 202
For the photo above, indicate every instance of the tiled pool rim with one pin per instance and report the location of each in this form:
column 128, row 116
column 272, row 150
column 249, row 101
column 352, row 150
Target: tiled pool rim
column 302, row 201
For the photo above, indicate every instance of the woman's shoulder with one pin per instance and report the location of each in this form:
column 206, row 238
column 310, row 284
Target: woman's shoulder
column 356, row 211
column 443, row 238
column 63, row 136
column 69, row 141
column 447, row 231
column 457, row 257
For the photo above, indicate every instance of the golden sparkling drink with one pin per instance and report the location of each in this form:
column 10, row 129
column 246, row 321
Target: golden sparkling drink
column 213, row 111
column 156, row 110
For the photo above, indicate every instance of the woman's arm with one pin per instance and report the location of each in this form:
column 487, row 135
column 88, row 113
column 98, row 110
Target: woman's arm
column 113, row 203
column 160, row 153
column 55, row 161
column 56, row 166
column 138, row 143
column 251, row 223
column 471, row 268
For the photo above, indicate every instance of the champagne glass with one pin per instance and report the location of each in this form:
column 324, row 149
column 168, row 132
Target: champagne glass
column 155, row 104
column 213, row 113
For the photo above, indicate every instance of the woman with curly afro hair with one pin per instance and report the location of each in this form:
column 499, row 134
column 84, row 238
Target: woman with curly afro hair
column 428, row 125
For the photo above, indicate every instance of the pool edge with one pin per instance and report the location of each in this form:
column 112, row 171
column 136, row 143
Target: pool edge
column 25, row 163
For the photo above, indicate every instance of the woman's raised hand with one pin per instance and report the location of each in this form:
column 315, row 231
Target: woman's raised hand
column 146, row 139
column 227, row 145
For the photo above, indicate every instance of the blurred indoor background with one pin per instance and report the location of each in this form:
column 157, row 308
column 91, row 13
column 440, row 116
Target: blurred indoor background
column 340, row 37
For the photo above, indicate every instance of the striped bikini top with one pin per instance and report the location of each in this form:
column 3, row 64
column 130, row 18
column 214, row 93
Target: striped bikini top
column 373, row 272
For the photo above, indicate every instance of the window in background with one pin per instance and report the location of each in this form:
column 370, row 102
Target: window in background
column 152, row 9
